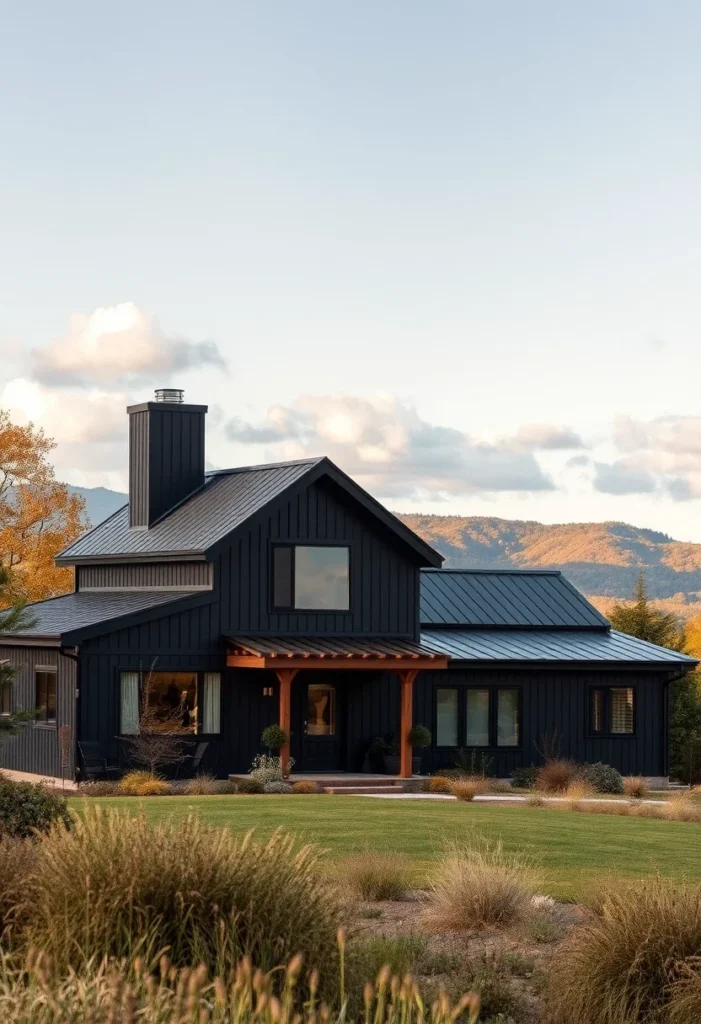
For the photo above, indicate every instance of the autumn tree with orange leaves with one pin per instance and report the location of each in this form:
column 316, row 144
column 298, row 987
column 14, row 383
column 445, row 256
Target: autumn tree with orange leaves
column 38, row 517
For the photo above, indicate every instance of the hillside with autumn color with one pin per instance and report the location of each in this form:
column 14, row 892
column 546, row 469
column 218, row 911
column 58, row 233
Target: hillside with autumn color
column 601, row 559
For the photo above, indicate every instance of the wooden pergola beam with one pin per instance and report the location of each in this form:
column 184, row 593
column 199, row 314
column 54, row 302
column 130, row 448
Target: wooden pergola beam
column 338, row 664
column 285, row 677
column 406, row 717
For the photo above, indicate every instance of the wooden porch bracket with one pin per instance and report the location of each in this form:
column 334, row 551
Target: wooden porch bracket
column 406, row 682
column 285, row 677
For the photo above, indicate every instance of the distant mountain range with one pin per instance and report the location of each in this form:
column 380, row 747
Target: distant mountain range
column 601, row 559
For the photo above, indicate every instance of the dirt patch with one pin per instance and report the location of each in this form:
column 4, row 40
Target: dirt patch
column 507, row 965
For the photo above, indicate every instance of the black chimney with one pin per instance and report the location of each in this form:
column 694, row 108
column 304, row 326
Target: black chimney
column 166, row 455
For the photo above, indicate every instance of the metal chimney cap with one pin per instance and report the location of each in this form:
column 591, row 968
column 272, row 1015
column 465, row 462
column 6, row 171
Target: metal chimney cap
column 174, row 395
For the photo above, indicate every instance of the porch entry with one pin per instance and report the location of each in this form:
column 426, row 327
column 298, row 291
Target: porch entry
column 287, row 656
column 321, row 727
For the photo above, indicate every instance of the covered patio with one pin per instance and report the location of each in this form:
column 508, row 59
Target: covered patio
column 287, row 656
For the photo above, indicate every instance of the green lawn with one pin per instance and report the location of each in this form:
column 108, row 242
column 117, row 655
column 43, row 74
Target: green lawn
column 575, row 850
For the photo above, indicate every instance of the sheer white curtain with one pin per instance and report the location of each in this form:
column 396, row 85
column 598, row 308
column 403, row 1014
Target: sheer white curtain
column 130, row 703
column 211, row 718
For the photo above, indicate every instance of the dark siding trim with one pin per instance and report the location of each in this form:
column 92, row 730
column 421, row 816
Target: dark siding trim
column 36, row 748
column 158, row 576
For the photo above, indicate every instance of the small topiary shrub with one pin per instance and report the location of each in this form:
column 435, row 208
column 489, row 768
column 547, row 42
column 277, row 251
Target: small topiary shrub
column 420, row 737
column 525, row 777
column 277, row 787
column 249, row 786
column 603, row 777
column 273, row 737
column 305, row 786
column 437, row 784
column 26, row 808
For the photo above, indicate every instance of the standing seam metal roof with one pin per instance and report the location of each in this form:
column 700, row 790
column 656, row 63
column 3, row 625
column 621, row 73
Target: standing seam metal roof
column 226, row 500
column 505, row 598
column 536, row 645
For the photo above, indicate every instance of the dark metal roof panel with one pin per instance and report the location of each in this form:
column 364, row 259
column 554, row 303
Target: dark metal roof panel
column 76, row 611
column 330, row 646
column 536, row 645
column 226, row 500
column 505, row 599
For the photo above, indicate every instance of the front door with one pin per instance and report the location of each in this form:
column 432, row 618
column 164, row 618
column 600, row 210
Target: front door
column 320, row 728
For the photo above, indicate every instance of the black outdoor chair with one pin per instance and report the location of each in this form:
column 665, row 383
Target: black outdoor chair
column 193, row 761
column 93, row 765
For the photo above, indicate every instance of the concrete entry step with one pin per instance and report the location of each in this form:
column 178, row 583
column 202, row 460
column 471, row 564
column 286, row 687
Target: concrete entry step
column 363, row 790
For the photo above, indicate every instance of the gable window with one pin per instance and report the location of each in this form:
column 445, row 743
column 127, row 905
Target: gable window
column 186, row 703
column 612, row 711
column 45, row 695
column 487, row 716
column 311, row 577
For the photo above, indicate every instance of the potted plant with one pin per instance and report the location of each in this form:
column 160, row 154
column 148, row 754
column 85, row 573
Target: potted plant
column 273, row 737
column 419, row 736
column 374, row 760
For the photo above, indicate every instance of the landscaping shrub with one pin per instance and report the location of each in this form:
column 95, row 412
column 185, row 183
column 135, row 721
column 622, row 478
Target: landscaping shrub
column 635, row 787
column 476, row 886
column 305, row 786
column 579, row 790
column 603, row 777
column 249, row 786
column 556, row 775
column 101, row 787
column 267, row 768
column 201, row 785
column 376, row 876
column 420, row 737
column 225, row 787
column 124, row 994
column 273, row 737
column 26, row 808
column 535, row 799
column 437, row 784
column 467, row 789
column 499, row 786
column 619, row 967
column 114, row 886
column 131, row 782
column 525, row 778
column 277, row 787
column 17, row 860
column 681, row 807
column 685, row 993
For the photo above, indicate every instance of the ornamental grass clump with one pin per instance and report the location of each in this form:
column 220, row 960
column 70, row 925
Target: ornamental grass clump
column 132, row 993
column 437, row 784
column 635, row 787
column 201, row 785
column 142, row 783
column 556, row 775
column 479, row 885
column 374, row 875
column 621, row 967
column 468, row 788
column 115, row 886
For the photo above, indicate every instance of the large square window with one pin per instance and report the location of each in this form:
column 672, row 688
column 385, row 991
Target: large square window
column 612, row 711
column 311, row 577
column 170, row 702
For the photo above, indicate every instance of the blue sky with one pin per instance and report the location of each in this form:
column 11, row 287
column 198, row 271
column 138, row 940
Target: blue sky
column 456, row 245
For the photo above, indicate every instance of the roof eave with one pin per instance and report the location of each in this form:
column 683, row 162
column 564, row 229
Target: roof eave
column 188, row 555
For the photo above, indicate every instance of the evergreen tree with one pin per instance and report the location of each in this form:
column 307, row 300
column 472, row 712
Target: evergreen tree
column 641, row 620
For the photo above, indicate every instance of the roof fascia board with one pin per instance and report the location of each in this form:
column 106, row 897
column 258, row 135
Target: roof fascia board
column 142, row 557
column 17, row 640
column 159, row 611
column 495, row 627
column 604, row 666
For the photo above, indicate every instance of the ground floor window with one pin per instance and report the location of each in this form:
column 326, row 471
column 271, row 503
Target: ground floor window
column 612, row 711
column 5, row 689
column 471, row 716
column 45, row 694
column 186, row 703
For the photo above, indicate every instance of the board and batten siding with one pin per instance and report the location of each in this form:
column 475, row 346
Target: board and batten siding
column 555, row 708
column 37, row 747
column 384, row 581
column 151, row 576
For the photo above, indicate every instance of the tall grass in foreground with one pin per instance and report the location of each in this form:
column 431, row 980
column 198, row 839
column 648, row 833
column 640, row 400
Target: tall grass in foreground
column 116, row 886
column 623, row 967
column 475, row 886
column 128, row 994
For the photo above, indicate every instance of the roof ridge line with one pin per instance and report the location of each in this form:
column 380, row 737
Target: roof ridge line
column 512, row 572
column 265, row 465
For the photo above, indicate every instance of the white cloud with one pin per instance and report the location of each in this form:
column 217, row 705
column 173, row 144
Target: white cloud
column 385, row 444
column 546, row 437
column 118, row 345
column 662, row 455
column 68, row 416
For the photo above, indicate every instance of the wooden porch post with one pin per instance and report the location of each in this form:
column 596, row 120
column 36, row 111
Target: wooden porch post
column 285, row 677
column 406, row 681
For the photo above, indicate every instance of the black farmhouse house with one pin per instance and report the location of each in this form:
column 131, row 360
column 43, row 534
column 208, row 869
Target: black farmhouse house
column 286, row 593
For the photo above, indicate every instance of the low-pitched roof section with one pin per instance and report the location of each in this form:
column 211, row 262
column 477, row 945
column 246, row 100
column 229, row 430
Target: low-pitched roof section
column 505, row 599
column 226, row 501
column 59, row 616
column 548, row 645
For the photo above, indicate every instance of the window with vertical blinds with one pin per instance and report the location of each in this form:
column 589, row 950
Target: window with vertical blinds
column 622, row 709
column 612, row 711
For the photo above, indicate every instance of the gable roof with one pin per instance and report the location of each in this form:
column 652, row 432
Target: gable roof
column 496, row 598
column 60, row 615
column 598, row 646
column 226, row 501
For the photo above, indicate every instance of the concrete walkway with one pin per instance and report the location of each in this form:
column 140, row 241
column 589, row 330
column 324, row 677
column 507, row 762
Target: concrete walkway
column 502, row 798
